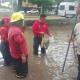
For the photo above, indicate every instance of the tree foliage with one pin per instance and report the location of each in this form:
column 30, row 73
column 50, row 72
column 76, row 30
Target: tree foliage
column 40, row 2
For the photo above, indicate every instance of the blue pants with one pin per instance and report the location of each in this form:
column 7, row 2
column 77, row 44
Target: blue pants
column 36, row 43
column 4, row 48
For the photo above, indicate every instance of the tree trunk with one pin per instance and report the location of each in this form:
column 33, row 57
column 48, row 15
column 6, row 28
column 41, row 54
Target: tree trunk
column 43, row 9
column 57, row 8
column 15, row 5
column 19, row 5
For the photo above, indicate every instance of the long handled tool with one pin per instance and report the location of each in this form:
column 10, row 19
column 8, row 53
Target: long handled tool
column 67, row 53
column 68, row 49
column 74, row 49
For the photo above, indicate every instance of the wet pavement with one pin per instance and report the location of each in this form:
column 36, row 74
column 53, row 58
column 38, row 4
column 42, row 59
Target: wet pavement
column 48, row 67
column 56, row 53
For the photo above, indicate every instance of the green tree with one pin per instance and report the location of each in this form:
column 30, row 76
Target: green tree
column 57, row 2
column 43, row 4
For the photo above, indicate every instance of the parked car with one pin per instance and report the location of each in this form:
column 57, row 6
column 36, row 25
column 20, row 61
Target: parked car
column 67, row 9
column 33, row 11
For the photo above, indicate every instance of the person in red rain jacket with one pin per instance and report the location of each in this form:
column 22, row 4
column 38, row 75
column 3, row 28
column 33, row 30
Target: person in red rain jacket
column 4, row 46
column 18, row 46
column 39, row 28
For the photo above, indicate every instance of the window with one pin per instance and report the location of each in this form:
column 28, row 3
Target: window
column 62, row 7
column 71, row 7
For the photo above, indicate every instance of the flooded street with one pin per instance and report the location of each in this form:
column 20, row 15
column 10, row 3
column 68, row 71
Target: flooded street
column 49, row 67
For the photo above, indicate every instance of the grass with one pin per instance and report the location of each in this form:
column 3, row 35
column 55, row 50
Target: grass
column 50, row 22
column 56, row 21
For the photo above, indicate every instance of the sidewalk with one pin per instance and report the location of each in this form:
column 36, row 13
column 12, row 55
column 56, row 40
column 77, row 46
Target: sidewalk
column 48, row 17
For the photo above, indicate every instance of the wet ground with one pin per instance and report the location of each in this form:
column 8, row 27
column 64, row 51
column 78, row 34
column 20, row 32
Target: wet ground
column 48, row 67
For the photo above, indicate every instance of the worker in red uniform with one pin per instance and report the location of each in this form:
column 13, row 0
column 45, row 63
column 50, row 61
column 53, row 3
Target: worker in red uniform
column 18, row 46
column 39, row 28
column 4, row 46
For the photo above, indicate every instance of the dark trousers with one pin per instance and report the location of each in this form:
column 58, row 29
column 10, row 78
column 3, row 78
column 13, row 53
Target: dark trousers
column 4, row 48
column 78, row 77
column 36, row 42
column 21, row 68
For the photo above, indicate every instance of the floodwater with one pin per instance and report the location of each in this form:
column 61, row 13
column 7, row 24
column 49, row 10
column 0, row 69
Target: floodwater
column 48, row 67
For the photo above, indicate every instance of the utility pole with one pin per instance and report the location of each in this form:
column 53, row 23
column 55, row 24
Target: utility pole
column 14, row 5
column 17, row 5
